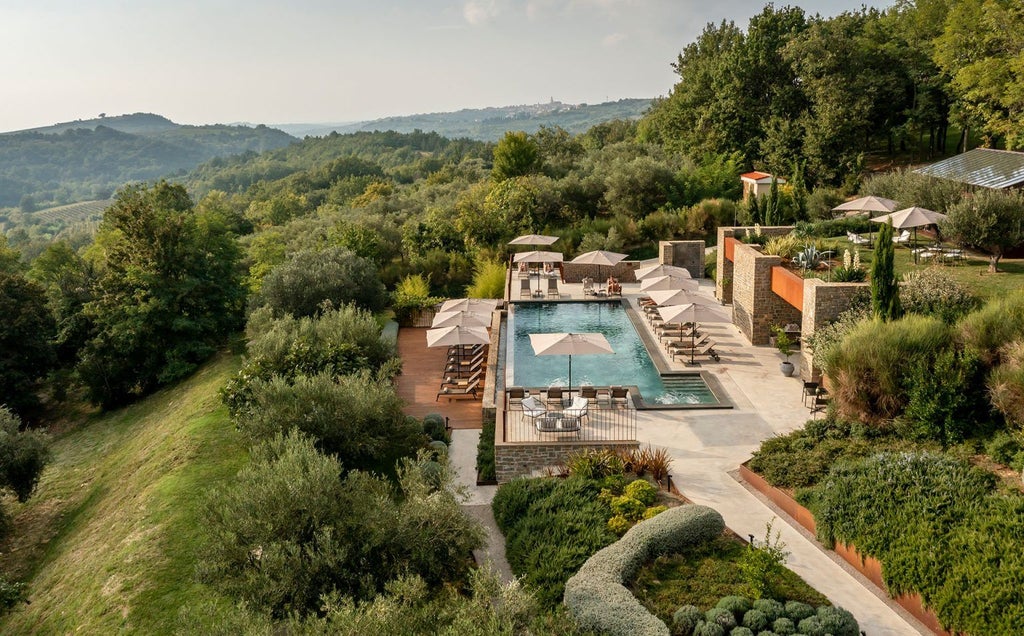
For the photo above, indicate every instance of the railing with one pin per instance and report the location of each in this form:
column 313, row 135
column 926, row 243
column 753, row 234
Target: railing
column 560, row 420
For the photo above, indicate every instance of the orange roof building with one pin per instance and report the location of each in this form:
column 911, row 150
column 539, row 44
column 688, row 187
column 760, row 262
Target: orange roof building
column 757, row 183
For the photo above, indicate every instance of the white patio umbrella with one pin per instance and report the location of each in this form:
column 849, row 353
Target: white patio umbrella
column 866, row 205
column 457, row 336
column 660, row 269
column 692, row 313
column 599, row 258
column 533, row 239
column 461, row 319
column 668, row 297
column 538, row 257
column 913, row 217
column 662, row 283
column 570, row 344
column 475, row 305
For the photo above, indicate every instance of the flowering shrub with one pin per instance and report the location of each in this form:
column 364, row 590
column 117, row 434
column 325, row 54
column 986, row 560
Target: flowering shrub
column 934, row 292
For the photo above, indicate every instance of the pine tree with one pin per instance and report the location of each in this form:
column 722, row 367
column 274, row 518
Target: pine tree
column 885, row 297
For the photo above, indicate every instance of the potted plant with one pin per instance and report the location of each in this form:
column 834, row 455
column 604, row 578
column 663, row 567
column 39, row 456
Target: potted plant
column 784, row 343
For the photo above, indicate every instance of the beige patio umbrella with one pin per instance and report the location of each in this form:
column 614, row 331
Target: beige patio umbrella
column 599, row 258
column 461, row 319
column 570, row 344
column 866, row 204
column 457, row 336
column 911, row 218
column 692, row 313
column 662, row 283
column 538, row 257
column 668, row 297
column 533, row 239
column 475, row 305
column 660, row 269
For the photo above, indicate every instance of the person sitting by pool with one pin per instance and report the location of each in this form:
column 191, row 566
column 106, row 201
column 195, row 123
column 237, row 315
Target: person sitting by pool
column 613, row 285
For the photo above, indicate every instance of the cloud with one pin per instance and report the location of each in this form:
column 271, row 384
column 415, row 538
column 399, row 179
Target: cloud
column 613, row 39
column 477, row 12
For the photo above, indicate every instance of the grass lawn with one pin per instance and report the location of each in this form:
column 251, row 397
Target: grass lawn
column 108, row 542
column 705, row 574
column 972, row 272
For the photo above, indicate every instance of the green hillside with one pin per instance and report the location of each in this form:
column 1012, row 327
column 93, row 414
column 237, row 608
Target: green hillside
column 90, row 159
column 107, row 544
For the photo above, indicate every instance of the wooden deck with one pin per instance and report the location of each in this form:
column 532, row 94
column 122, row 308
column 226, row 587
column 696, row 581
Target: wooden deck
column 420, row 378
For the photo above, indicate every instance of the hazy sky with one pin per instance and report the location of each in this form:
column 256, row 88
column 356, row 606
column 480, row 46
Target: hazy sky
column 222, row 61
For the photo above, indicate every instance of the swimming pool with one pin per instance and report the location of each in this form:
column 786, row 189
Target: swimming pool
column 629, row 365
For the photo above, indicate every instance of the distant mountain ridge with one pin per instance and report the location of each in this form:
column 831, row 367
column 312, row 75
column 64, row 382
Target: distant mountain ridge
column 90, row 159
column 489, row 124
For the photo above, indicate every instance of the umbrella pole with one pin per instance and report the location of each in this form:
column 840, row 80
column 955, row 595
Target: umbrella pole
column 570, row 375
column 693, row 337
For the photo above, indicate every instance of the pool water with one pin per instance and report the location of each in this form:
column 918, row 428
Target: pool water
column 629, row 365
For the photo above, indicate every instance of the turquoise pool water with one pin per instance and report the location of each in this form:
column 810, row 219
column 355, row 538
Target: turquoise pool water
column 629, row 365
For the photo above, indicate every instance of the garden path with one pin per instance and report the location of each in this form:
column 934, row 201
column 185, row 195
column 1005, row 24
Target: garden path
column 462, row 455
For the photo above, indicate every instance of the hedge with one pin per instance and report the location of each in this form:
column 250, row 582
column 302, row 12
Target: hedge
column 596, row 595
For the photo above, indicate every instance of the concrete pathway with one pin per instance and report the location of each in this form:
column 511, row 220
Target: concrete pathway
column 707, row 448
column 462, row 455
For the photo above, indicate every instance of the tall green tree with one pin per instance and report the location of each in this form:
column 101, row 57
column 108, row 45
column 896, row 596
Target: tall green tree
column 990, row 221
column 885, row 296
column 26, row 352
column 516, row 155
column 167, row 293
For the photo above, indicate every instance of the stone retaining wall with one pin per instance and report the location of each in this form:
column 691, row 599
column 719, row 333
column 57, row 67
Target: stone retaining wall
column 521, row 460
column 686, row 254
column 756, row 308
column 823, row 302
column 623, row 270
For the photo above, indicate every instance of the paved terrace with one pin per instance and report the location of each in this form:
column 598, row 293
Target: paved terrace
column 708, row 446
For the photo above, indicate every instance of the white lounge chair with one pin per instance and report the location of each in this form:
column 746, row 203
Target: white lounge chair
column 532, row 408
column 578, row 409
column 857, row 239
column 903, row 238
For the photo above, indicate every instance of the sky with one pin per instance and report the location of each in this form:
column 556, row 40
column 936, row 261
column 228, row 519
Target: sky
column 312, row 61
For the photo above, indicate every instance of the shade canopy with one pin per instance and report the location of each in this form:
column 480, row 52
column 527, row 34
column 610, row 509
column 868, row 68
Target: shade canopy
column 911, row 217
column 461, row 319
column 654, row 271
column 475, row 305
column 599, row 257
column 533, row 239
column 668, row 282
column 692, row 313
column 866, row 204
column 450, row 336
column 673, row 297
column 569, row 344
column 538, row 257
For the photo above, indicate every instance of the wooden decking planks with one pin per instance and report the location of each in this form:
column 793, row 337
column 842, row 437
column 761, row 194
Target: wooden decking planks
column 421, row 377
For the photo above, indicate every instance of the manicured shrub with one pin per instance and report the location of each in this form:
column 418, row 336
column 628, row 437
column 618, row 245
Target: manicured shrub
column 771, row 608
column 434, row 427
column 741, row 631
column 642, row 491
column 871, row 365
column 514, row 499
column 811, row 626
column 654, row 511
column 710, row 629
column 596, row 596
column 756, row 620
column 837, row 621
column 738, row 605
column 628, row 507
column 934, row 292
column 784, row 626
column 767, row 632
column 619, row 525
column 721, row 616
column 685, row 620
column 945, row 398
column 798, row 611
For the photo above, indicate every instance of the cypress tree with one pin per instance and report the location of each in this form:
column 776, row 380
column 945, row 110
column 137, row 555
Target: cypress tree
column 885, row 297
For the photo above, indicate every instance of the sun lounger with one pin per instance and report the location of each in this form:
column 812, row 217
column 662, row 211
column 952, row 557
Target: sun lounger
column 457, row 392
column 553, row 288
column 515, row 394
column 525, row 290
column 588, row 286
column 463, row 370
column 619, row 395
column 903, row 238
column 457, row 381
column 706, row 349
column 857, row 239
column 687, row 343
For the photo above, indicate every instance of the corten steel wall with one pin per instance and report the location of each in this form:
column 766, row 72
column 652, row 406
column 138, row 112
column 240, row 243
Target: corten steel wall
column 686, row 254
column 823, row 302
column 789, row 286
